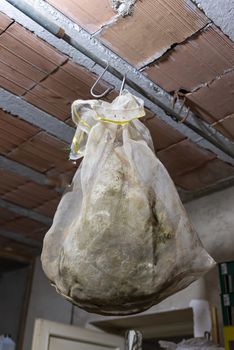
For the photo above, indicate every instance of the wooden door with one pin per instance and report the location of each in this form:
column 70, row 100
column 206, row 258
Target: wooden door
column 56, row 336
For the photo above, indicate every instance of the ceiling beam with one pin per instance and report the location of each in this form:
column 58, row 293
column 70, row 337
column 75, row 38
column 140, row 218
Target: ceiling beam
column 22, row 170
column 33, row 115
column 187, row 196
column 20, row 238
column 26, row 111
column 21, row 211
column 90, row 49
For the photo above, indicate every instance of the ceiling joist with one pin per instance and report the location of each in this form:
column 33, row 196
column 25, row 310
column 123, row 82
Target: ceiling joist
column 25, row 171
column 22, row 170
column 26, row 111
column 213, row 140
column 21, row 211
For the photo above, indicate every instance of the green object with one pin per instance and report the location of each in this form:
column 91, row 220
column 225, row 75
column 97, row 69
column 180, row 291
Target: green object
column 226, row 275
column 227, row 301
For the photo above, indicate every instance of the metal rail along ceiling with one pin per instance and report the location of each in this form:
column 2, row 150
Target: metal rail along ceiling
column 55, row 29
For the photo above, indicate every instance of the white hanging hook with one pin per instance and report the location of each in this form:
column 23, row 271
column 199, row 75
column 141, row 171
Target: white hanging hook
column 96, row 82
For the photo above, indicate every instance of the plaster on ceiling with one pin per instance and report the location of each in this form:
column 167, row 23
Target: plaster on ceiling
column 221, row 12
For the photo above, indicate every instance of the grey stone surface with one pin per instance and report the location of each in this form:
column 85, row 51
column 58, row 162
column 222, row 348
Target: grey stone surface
column 221, row 12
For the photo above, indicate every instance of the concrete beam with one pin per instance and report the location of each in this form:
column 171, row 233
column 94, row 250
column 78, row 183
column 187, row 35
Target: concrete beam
column 25, row 171
column 220, row 12
column 187, row 196
column 20, row 238
column 21, row 211
column 19, row 107
column 22, row 170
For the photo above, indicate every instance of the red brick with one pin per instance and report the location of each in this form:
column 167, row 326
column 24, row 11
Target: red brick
column 215, row 101
column 197, row 61
column 207, row 174
column 91, row 15
column 5, row 21
column 184, row 156
column 152, row 29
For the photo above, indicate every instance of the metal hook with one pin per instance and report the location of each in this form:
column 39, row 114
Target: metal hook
column 176, row 96
column 96, row 82
column 184, row 118
column 122, row 85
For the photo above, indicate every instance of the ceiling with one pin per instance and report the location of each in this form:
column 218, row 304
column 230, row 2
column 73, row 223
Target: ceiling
column 170, row 43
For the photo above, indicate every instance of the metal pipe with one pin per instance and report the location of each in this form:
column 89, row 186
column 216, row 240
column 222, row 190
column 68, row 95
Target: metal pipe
column 58, row 31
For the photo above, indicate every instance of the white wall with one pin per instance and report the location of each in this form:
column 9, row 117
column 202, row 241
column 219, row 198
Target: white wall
column 44, row 303
column 213, row 218
column 12, row 289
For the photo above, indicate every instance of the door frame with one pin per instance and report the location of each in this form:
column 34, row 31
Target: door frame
column 44, row 330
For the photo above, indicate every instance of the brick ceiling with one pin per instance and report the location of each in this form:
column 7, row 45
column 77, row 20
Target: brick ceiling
column 170, row 41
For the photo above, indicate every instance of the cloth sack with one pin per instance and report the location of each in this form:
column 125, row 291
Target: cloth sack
column 121, row 240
